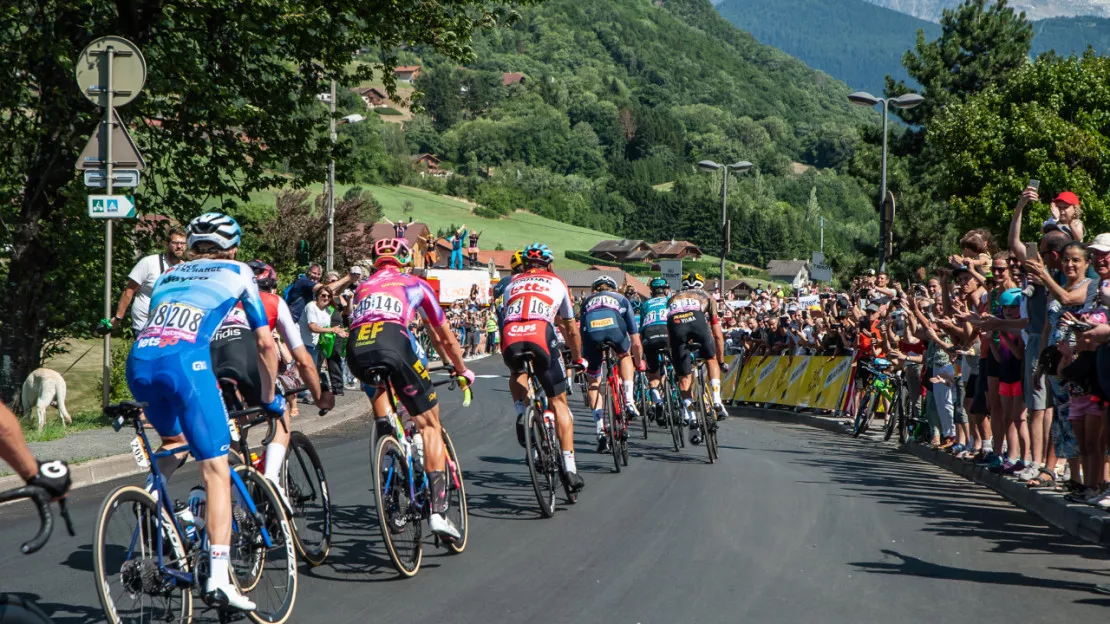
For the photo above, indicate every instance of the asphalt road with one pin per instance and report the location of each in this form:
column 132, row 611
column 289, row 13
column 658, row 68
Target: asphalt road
column 793, row 525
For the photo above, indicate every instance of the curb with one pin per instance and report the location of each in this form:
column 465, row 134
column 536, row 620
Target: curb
column 114, row 466
column 1082, row 521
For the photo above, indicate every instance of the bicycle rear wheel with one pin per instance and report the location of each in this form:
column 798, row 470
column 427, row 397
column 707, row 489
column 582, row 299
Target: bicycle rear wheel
column 670, row 412
column 611, row 428
column 398, row 518
column 709, row 418
column 644, row 396
column 307, row 489
column 861, row 412
column 541, row 463
column 457, row 511
column 893, row 414
column 270, row 572
column 129, row 583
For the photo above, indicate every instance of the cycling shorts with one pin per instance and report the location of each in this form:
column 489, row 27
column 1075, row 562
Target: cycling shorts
column 591, row 346
column 687, row 326
column 382, row 343
column 656, row 343
column 537, row 338
column 235, row 357
column 182, row 396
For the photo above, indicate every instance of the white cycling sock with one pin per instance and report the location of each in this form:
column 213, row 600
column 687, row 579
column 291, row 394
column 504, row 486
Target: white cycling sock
column 656, row 397
column 568, row 461
column 275, row 455
column 519, row 405
column 599, row 420
column 629, row 395
column 687, row 412
column 219, row 560
column 715, row 390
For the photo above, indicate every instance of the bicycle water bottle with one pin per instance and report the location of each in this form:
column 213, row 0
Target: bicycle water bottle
column 418, row 442
column 549, row 419
column 185, row 517
column 198, row 500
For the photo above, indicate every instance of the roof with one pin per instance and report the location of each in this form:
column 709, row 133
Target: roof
column 640, row 287
column 502, row 260
column 406, row 68
column 509, row 78
column 640, row 254
column 733, row 284
column 385, row 230
column 420, row 157
column 367, row 91
column 673, row 248
column 786, row 268
column 578, row 278
column 623, row 246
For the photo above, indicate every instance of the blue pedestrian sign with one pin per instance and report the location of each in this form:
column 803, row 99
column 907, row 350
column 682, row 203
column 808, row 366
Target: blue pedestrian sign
column 111, row 207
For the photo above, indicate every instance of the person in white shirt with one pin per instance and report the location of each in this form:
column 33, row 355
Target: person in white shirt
column 140, row 281
column 315, row 321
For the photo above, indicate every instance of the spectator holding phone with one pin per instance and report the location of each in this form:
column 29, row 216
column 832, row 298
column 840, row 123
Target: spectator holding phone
column 1066, row 215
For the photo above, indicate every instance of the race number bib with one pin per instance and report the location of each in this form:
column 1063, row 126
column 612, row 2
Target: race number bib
column 684, row 305
column 380, row 304
column 174, row 322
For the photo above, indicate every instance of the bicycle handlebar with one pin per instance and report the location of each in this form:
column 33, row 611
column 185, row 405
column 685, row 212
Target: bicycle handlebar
column 41, row 499
column 454, row 381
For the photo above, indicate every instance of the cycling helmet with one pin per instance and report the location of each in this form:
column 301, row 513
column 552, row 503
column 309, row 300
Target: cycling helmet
column 1011, row 297
column 658, row 285
column 604, row 280
column 392, row 251
column 538, row 253
column 264, row 274
column 693, row 280
column 517, row 260
column 213, row 227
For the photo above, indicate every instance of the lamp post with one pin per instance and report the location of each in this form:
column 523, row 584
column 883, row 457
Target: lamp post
column 907, row 100
column 739, row 167
column 332, row 123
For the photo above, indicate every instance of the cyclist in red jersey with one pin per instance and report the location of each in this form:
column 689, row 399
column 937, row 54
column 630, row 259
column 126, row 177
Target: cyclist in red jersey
column 385, row 306
column 534, row 301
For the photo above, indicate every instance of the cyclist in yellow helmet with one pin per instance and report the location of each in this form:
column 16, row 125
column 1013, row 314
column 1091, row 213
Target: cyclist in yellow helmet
column 692, row 316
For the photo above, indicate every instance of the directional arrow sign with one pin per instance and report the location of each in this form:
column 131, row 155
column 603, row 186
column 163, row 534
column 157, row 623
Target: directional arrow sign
column 121, row 178
column 111, row 207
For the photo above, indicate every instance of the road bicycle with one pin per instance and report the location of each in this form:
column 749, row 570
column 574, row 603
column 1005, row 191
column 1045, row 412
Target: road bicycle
column 642, row 392
column 612, row 402
column 704, row 415
column 542, row 451
column 402, row 490
column 672, row 402
column 15, row 608
column 153, row 572
column 302, row 475
column 882, row 386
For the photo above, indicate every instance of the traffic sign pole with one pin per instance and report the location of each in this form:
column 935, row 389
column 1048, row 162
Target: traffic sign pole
column 106, row 158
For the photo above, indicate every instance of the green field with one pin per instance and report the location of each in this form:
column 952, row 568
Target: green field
column 512, row 232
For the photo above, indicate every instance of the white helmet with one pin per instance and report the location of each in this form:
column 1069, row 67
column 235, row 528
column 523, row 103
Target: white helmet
column 213, row 227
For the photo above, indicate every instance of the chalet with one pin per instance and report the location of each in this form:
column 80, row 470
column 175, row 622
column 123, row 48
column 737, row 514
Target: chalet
column 372, row 97
column 512, row 78
column 676, row 250
column 580, row 282
column 406, row 73
column 625, row 250
column 793, row 272
column 428, row 164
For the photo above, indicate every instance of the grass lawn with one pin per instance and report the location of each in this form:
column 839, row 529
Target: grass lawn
column 82, row 392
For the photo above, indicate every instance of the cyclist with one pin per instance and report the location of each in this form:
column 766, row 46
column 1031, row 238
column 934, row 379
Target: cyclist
column 607, row 317
column 535, row 301
column 692, row 314
column 234, row 357
column 653, row 337
column 170, row 369
column 385, row 305
column 516, row 266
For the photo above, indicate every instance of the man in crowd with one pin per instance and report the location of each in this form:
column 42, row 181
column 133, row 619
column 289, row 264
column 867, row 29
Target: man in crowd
column 303, row 291
column 140, row 281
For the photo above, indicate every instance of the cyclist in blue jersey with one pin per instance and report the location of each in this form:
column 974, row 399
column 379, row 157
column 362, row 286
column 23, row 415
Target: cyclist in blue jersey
column 516, row 265
column 170, row 369
column 653, row 336
column 607, row 316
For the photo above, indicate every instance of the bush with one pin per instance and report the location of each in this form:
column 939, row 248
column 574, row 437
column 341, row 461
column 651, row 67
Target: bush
column 117, row 381
column 486, row 213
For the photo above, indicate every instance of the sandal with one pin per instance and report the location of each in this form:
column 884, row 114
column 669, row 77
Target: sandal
column 1072, row 486
column 1038, row 482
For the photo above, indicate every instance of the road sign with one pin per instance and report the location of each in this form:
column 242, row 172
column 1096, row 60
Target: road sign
column 128, row 71
column 124, row 152
column 671, row 270
column 111, row 207
column 126, row 178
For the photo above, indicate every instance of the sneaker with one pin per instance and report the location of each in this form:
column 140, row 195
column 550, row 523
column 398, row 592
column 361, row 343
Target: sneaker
column 1001, row 466
column 1029, row 473
column 520, row 430
column 957, row 449
column 602, row 444
column 575, row 481
column 1102, row 501
column 1015, row 467
column 695, row 435
column 443, row 527
column 987, row 459
column 229, row 597
column 722, row 413
column 633, row 412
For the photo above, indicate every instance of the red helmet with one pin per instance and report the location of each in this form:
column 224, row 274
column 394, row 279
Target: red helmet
column 264, row 274
column 392, row 250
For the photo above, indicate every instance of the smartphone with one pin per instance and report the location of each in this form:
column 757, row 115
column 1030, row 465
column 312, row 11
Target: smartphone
column 1034, row 184
column 1032, row 251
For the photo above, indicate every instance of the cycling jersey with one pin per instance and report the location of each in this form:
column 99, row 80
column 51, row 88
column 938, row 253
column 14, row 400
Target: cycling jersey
column 689, row 316
column 394, row 297
column 533, row 300
column 537, row 295
column 606, row 317
column 170, row 367
column 653, row 312
column 278, row 316
column 234, row 353
column 694, row 299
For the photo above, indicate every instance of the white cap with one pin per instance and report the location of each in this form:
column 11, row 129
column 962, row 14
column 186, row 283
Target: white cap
column 357, row 270
column 1101, row 243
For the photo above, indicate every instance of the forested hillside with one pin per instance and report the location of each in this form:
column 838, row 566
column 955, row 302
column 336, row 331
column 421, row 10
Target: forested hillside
column 622, row 95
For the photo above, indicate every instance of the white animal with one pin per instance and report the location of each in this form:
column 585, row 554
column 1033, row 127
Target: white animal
column 41, row 388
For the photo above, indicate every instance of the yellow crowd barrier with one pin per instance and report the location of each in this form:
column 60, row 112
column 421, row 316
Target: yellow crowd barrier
column 799, row 381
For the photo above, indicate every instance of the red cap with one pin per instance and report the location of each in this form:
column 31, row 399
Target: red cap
column 1067, row 197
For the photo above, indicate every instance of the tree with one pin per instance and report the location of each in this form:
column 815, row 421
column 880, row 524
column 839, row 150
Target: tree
column 232, row 85
column 300, row 217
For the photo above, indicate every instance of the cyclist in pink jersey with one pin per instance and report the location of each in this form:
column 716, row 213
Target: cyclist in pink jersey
column 385, row 304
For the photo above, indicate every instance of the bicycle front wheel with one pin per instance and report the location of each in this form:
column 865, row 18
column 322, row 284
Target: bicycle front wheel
column 541, row 464
column 307, row 489
column 268, row 570
column 894, row 413
column 397, row 514
column 644, row 395
column 708, row 418
column 670, row 412
column 611, row 428
column 126, row 556
column 456, row 496
column 861, row 413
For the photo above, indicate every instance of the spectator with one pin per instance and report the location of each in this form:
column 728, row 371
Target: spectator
column 1066, row 216
column 140, row 281
column 315, row 322
column 491, row 333
column 472, row 250
column 456, row 241
column 303, row 291
column 400, row 227
column 431, row 250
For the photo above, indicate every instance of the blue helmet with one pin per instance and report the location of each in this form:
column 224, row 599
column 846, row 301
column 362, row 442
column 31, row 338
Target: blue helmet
column 1011, row 297
column 538, row 253
column 213, row 227
column 658, row 284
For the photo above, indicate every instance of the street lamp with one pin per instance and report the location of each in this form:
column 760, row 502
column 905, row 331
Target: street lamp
column 739, row 167
column 906, row 100
column 356, row 118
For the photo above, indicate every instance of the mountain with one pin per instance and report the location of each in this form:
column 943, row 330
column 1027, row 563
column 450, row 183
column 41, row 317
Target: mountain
column 859, row 42
column 1034, row 9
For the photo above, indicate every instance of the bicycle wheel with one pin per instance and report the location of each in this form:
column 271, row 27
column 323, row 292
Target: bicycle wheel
column 872, row 409
column 266, row 574
column 893, row 413
column 644, row 396
column 861, row 412
column 129, row 582
column 541, row 465
column 307, row 489
column 708, row 418
column 611, row 428
column 398, row 516
column 456, row 496
column 670, row 413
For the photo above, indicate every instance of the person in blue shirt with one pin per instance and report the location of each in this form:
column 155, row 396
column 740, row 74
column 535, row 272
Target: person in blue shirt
column 606, row 315
column 653, row 336
column 170, row 369
column 457, row 248
column 516, row 266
